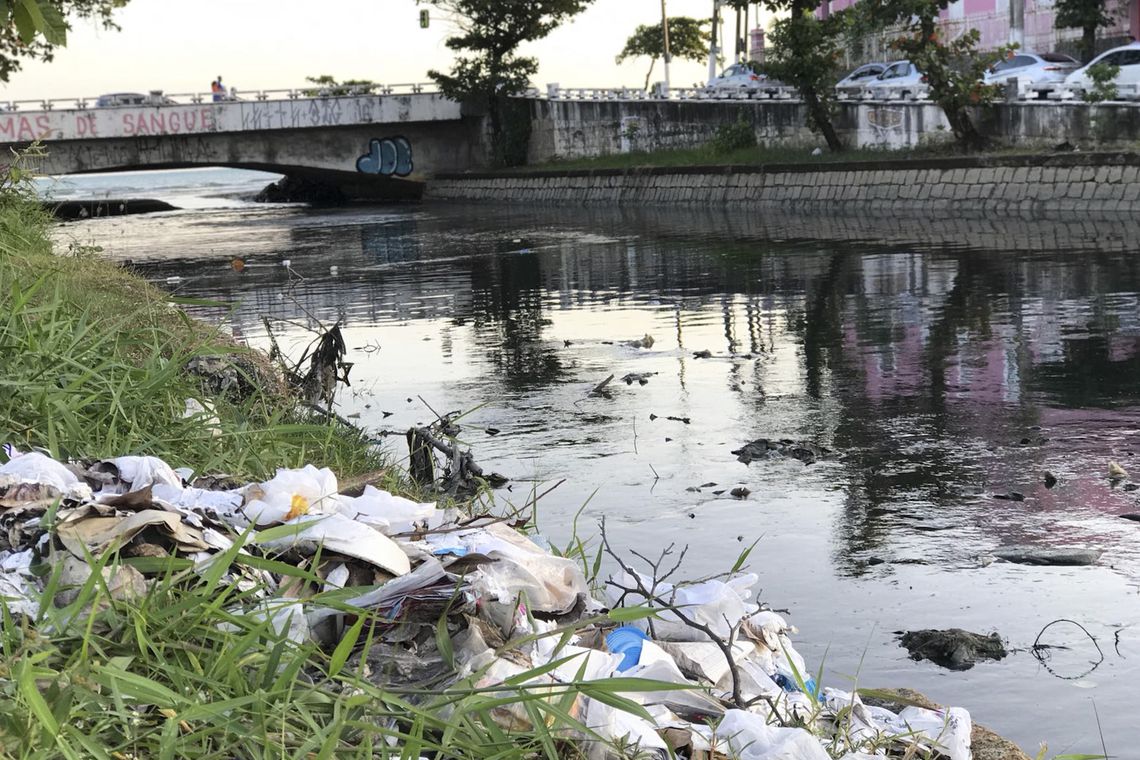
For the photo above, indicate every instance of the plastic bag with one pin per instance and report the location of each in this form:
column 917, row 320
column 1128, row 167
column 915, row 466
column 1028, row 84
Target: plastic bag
column 751, row 738
column 34, row 467
column 290, row 494
column 386, row 512
column 717, row 604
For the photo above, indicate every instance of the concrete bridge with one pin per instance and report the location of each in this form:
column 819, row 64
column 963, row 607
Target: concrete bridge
column 366, row 145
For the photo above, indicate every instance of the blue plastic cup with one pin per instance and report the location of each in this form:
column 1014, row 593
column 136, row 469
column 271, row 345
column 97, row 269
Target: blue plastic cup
column 627, row 641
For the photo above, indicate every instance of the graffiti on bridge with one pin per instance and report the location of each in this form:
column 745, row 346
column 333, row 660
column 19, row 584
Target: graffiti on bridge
column 390, row 156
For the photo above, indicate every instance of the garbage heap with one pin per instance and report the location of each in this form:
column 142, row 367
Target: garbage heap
column 514, row 611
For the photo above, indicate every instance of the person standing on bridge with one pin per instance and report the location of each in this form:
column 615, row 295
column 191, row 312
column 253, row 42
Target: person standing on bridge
column 218, row 89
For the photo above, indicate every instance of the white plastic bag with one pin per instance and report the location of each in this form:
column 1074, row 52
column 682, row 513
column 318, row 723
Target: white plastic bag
column 34, row 467
column 388, row 513
column 290, row 494
column 751, row 738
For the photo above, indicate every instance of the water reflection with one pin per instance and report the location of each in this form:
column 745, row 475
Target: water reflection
column 939, row 373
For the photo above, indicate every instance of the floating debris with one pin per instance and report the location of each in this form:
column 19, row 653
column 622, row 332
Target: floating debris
column 953, row 648
column 641, row 378
column 1116, row 472
column 1033, row 555
column 645, row 341
column 705, row 354
column 762, row 448
column 1050, row 479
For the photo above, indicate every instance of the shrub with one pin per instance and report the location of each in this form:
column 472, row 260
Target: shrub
column 1103, row 76
column 734, row 136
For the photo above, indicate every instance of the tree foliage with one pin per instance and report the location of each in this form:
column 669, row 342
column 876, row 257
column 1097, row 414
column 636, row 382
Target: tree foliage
column 488, row 67
column 329, row 86
column 1086, row 15
column 953, row 68
column 688, row 40
column 489, row 34
column 805, row 54
column 33, row 29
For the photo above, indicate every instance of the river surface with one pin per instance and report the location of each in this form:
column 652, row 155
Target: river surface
column 946, row 363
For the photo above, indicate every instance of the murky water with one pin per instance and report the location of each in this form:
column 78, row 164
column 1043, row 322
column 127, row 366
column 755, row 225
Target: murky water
column 945, row 363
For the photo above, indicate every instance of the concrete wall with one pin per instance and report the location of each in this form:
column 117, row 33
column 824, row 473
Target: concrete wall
column 573, row 129
column 1030, row 184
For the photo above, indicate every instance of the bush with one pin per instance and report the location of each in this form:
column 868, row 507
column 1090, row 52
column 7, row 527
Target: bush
column 1103, row 76
column 730, row 137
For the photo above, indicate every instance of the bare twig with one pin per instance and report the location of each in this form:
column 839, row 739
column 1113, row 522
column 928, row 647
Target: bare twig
column 639, row 587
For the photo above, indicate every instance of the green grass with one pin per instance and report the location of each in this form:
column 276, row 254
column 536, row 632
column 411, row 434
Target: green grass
column 194, row 668
column 94, row 362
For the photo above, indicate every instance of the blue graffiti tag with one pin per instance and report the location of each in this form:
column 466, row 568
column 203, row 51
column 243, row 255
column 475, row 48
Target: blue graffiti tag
column 389, row 156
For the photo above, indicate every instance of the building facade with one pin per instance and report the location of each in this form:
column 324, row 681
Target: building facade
column 1030, row 23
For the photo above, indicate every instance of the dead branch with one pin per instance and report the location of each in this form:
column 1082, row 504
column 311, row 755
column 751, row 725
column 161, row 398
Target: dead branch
column 600, row 388
column 639, row 588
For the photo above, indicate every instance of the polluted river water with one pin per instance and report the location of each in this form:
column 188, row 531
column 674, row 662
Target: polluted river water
column 951, row 367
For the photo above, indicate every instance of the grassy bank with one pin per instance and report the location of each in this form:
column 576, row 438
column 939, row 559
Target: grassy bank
column 195, row 666
column 94, row 366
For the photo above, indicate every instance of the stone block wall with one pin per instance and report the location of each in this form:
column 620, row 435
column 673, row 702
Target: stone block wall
column 1029, row 184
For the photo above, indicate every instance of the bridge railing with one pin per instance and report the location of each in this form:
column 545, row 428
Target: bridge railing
column 1127, row 94
column 160, row 98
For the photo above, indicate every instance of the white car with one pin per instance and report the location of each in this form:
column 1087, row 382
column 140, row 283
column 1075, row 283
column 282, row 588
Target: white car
column 1127, row 81
column 901, row 79
column 741, row 76
column 1032, row 70
column 856, row 82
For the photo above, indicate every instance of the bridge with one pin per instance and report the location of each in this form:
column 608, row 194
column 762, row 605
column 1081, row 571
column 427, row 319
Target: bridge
column 367, row 144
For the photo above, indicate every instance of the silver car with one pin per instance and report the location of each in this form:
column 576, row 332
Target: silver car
column 740, row 76
column 901, row 79
column 856, row 82
column 1032, row 70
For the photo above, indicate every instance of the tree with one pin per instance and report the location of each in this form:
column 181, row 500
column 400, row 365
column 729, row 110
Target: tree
column 953, row 69
column 489, row 69
column 687, row 40
column 33, row 29
column 1086, row 15
column 328, row 86
column 805, row 54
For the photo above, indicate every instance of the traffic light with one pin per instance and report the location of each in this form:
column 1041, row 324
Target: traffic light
column 424, row 19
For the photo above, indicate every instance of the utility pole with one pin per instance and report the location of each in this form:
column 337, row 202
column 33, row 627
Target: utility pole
column 1017, row 23
column 712, row 43
column 665, row 37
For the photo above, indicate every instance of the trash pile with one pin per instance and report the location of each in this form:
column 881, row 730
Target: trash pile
column 514, row 612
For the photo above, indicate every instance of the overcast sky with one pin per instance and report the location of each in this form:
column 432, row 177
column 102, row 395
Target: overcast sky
column 181, row 45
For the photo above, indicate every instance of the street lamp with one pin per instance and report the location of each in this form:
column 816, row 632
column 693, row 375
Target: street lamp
column 665, row 37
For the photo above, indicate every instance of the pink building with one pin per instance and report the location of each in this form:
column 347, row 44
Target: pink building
column 992, row 18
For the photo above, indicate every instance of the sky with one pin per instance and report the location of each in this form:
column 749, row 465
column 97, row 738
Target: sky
column 179, row 46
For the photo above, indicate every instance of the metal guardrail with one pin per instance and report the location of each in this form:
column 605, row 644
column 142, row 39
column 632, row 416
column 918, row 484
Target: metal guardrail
column 160, row 98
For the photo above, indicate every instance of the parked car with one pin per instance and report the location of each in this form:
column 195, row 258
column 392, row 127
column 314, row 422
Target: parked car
column 1127, row 57
column 857, row 80
column 900, row 79
column 1032, row 69
column 743, row 76
column 118, row 99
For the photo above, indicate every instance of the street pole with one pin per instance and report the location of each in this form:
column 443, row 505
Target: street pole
column 665, row 36
column 712, row 43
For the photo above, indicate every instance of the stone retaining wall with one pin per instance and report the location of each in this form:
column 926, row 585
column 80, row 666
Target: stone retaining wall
column 1060, row 182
